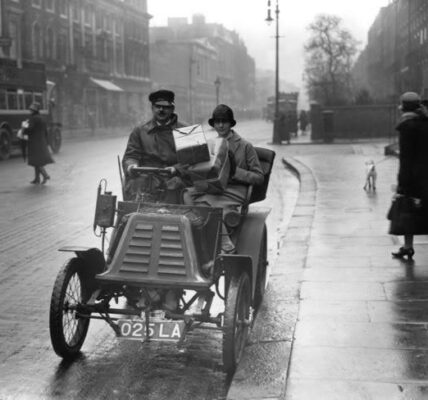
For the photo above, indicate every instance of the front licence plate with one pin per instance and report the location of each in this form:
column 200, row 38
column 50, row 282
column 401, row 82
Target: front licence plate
column 135, row 329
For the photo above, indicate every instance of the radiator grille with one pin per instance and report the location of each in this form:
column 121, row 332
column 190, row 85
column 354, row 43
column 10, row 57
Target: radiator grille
column 137, row 255
column 171, row 257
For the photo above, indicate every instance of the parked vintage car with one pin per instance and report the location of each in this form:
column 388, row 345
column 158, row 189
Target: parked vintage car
column 164, row 266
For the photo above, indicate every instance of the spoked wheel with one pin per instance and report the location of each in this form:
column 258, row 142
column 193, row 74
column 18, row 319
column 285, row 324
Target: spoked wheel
column 261, row 272
column 55, row 139
column 68, row 332
column 236, row 321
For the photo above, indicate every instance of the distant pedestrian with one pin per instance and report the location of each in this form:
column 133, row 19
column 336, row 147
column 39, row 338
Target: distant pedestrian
column 283, row 127
column 91, row 122
column 37, row 152
column 303, row 121
column 413, row 169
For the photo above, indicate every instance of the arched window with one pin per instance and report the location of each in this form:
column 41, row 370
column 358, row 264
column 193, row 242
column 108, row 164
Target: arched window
column 37, row 42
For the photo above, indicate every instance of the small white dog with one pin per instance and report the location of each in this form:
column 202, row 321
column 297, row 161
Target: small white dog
column 371, row 176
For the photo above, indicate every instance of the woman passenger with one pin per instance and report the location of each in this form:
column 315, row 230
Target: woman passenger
column 248, row 171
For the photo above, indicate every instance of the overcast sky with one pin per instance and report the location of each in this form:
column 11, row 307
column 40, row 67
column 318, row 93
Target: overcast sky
column 247, row 18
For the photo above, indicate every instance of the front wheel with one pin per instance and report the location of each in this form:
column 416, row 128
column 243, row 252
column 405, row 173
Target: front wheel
column 237, row 320
column 68, row 331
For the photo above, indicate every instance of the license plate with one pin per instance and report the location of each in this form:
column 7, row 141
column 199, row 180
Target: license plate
column 135, row 329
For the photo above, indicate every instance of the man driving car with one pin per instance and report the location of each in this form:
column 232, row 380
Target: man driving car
column 151, row 144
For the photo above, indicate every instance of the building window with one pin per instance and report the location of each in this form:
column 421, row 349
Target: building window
column 15, row 48
column 87, row 16
column 63, row 8
column 12, row 100
column 50, row 44
column 28, row 99
column 88, row 46
column 75, row 11
column 3, row 101
column 50, row 5
column 62, row 48
column 36, row 3
column 37, row 42
column 98, row 21
column 107, row 23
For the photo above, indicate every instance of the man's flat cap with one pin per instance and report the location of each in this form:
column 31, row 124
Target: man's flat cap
column 162, row 97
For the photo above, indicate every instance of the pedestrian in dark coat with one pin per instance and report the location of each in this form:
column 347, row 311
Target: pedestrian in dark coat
column 37, row 151
column 303, row 120
column 283, row 127
column 413, row 169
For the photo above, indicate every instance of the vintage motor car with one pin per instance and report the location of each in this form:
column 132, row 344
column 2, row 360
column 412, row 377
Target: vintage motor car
column 162, row 270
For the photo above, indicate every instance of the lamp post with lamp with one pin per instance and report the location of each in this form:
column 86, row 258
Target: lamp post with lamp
column 217, row 84
column 276, row 133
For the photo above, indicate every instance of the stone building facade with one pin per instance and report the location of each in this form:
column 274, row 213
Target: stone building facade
column 202, row 54
column 395, row 59
column 96, row 54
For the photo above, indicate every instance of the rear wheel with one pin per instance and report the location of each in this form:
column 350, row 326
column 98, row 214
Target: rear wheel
column 5, row 144
column 261, row 271
column 55, row 139
column 237, row 321
column 67, row 330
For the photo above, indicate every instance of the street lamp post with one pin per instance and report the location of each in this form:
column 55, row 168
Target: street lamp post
column 217, row 84
column 276, row 128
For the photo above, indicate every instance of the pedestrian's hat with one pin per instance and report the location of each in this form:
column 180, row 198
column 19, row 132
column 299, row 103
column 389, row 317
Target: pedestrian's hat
column 35, row 106
column 224, row 112
column 410, row 101
column 162, row 97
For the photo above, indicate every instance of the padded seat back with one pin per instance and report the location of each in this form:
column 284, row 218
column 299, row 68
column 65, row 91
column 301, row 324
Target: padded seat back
column 266, row 158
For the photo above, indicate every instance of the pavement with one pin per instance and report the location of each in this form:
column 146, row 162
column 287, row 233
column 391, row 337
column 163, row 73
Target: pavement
column 356, row 324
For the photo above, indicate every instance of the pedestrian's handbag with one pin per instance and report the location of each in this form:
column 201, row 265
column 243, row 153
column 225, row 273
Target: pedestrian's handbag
column 191, row 145
column 407, row 216
column 20, row 134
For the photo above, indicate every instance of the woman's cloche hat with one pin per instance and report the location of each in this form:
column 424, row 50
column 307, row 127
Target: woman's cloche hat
column 222, row 111
column 410, row 101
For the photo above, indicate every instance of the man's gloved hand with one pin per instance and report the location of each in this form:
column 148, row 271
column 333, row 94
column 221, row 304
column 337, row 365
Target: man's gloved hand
column 171, row 170
column 181, row 169
column 131, row 171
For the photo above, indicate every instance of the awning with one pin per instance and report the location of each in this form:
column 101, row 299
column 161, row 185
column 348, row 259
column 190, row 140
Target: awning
column 107, row 85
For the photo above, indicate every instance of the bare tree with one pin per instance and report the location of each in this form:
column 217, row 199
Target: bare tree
column 329, row 54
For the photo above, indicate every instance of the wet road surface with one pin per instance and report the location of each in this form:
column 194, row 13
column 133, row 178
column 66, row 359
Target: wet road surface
column 36, row 221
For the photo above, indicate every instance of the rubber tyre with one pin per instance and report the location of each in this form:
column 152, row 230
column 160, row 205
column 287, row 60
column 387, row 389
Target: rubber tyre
column 5, row 144
column 236, row 321
column 261, row 272
column 68, row 332
column 55, row 139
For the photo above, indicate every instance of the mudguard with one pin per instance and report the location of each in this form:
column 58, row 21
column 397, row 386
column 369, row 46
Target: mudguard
column 234, row 264
column 250, row 236
column 92, row 258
